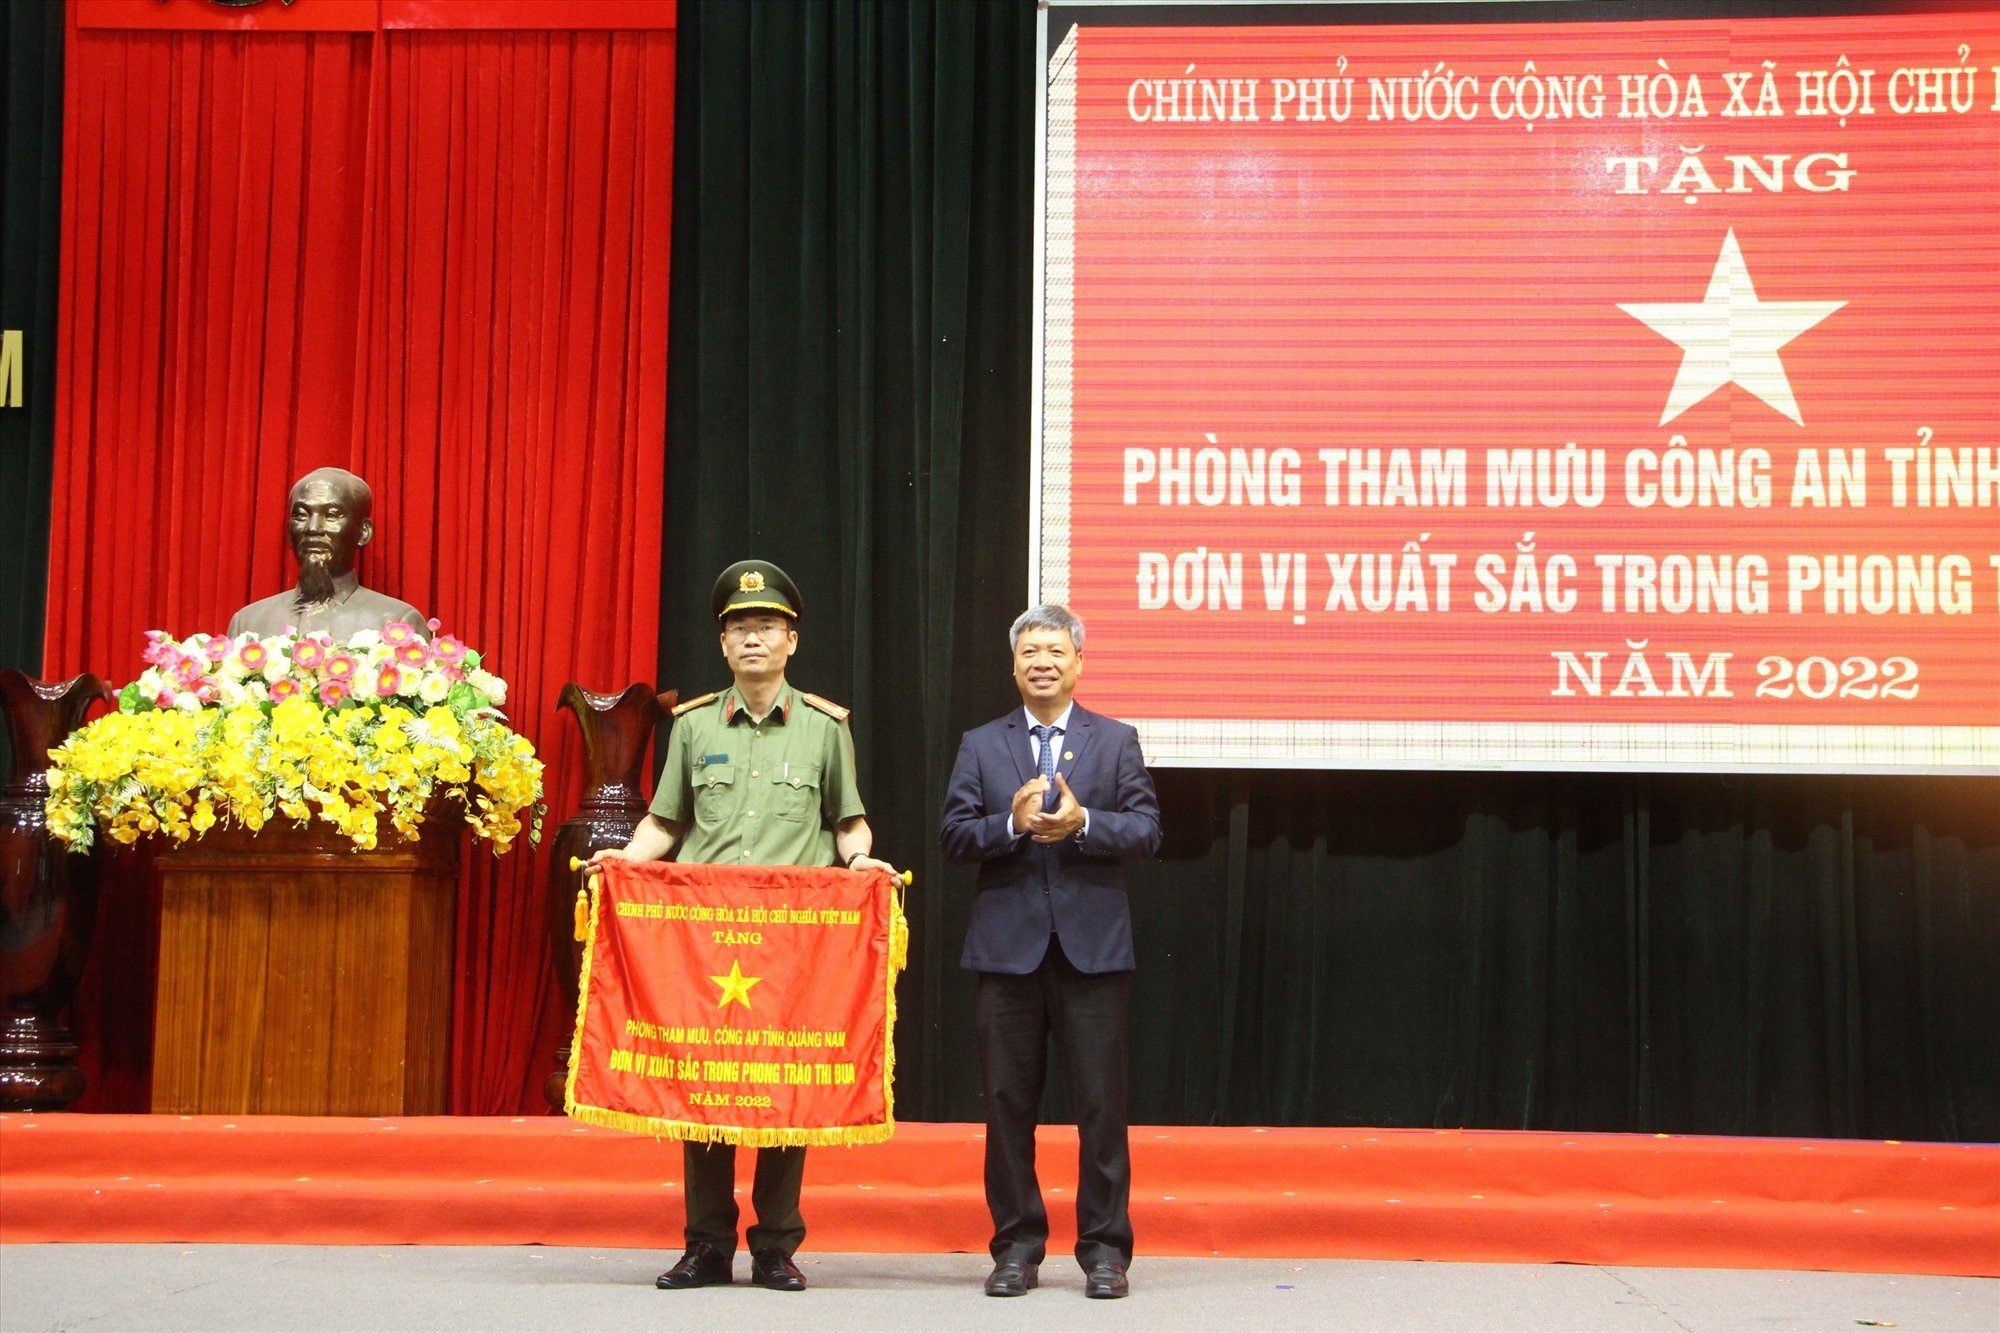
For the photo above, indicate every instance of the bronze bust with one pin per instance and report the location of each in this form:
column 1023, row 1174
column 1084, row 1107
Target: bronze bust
column 328, row 523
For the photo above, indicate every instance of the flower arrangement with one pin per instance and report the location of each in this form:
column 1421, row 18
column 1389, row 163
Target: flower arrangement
column 252, row 729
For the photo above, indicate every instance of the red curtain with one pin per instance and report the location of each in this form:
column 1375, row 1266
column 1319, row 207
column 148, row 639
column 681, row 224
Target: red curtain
column 514, row 398
column 437, row 258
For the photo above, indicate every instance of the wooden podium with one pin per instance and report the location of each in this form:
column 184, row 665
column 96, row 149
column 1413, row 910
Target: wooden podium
column 301, row 977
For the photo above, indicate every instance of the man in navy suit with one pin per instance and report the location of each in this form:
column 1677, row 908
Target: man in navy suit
column 1048, row 800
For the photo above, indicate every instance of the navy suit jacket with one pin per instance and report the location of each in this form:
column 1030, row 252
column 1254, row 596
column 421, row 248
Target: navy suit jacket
column 1028, row 889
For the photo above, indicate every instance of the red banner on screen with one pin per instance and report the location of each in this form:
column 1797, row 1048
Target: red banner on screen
column 1623, row 386
column 739, row 1004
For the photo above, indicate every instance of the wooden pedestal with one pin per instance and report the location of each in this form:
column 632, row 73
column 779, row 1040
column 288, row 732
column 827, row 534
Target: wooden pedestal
column 300, row 977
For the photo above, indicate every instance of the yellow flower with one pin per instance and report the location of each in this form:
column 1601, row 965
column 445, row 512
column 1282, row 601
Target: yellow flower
column 179, row 772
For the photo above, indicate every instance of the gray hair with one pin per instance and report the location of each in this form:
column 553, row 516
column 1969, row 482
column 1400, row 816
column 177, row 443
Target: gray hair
column 1048, row 615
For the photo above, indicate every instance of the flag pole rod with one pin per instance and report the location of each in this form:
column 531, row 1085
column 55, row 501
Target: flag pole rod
column 592, row 868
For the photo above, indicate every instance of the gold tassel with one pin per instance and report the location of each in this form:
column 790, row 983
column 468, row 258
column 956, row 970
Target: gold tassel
column 899, row 957
column 586, row 934
column 583, row 899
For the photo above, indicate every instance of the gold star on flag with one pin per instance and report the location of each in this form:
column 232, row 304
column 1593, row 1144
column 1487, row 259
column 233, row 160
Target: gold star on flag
column 735, row 986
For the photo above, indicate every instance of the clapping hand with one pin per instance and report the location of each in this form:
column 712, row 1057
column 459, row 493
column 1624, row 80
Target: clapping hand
column 1065, row 821
column 1028, row 802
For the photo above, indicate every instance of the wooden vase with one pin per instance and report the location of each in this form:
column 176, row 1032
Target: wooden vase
column 617, row 731
column 48, row 898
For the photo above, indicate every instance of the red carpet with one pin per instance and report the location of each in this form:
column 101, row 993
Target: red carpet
column 1303, row 1193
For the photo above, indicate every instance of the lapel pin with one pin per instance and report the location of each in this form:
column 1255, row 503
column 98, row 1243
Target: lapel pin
column 1068, row 755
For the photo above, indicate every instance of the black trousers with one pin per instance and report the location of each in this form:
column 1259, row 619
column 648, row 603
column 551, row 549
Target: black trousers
column 710, row 1169
column 1086, row 1015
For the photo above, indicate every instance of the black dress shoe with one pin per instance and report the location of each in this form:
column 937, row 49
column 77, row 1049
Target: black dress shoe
column 774, row 1268
column 1011, row 1277
column 1106, row 1282
column 702, row 1266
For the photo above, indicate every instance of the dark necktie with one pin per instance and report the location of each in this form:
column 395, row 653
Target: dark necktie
column 1045, row 759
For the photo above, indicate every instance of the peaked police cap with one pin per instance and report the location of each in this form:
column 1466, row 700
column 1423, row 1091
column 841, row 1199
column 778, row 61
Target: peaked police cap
column 755, row 585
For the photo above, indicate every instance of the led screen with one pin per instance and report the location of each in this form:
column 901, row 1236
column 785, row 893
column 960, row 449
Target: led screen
column 1549, row 394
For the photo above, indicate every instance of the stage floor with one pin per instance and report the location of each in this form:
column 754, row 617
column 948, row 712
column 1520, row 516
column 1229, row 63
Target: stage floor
column 303, row 1289
column 1202, row 1192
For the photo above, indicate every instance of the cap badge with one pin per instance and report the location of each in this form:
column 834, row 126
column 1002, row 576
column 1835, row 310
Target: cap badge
column 752, row 581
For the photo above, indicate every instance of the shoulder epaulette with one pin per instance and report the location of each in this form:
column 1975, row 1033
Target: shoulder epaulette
column 827, row 706
column 695, row 703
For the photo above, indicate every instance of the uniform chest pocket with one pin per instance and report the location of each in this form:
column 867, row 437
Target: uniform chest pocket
column 795, row 791
column 714, row 794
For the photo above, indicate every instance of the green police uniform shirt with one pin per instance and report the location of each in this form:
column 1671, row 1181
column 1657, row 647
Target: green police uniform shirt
column 759, row 793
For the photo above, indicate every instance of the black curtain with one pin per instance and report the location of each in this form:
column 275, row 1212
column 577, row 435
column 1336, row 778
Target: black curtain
column 849, row 397
column 31, row 53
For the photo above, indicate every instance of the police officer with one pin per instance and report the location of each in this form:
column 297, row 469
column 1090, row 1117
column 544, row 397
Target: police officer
column 760, row 774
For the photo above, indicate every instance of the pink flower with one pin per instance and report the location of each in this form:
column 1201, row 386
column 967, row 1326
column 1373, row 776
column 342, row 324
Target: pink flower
column 283, row 689
column 216, row 648
column 333, row 691
column 448, row 650
column 388, row 681
column 187, row 671
column 341, row 667
column 311, row 652
column 254, row 656
column 164, row 699
column 413, row 654
column 158, row 645
column 397, row 633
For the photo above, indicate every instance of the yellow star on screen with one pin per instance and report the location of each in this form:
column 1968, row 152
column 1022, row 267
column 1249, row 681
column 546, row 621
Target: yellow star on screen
column 735, row 986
